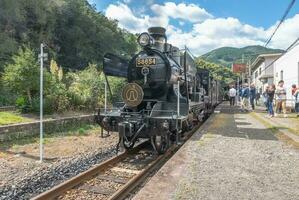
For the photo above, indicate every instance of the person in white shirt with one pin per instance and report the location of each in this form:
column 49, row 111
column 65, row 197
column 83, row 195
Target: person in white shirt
column 281, row 96
column 232, row 95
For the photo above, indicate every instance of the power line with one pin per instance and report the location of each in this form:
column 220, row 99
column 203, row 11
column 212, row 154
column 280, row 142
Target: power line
column 281, row 21
column 291, row 46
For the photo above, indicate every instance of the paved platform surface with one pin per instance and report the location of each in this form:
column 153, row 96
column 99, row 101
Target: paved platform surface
column 232, row 156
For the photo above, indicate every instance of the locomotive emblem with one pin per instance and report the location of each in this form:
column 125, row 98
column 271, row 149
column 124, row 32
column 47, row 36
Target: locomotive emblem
column 132, row 94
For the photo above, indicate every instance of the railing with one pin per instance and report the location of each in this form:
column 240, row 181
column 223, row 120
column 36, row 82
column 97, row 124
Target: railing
column 140, row 113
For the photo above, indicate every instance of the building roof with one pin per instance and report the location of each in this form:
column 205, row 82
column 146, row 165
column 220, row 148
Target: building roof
column 261, row 58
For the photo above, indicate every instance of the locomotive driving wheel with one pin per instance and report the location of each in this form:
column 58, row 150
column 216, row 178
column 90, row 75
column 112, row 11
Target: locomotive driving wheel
column 161, row 143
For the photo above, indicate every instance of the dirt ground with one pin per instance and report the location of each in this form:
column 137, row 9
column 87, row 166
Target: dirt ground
column 16, row 160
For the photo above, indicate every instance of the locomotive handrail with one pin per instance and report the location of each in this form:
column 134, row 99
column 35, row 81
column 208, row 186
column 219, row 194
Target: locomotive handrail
column 109, row 110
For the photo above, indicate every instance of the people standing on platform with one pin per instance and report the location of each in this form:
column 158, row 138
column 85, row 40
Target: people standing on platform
column 245, row 96
column 252, row 95
column 296, row 95
column 232, row 95
column 270, row 91
column 294, row 89
column 281, row 97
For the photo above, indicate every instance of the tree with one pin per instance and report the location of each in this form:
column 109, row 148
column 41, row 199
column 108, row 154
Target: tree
column 75, row 33
column 85, row 86
column 22, row 75
column 218, row 71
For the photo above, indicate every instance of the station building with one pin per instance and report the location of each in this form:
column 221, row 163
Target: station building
column 287, row 68
column 262, row 70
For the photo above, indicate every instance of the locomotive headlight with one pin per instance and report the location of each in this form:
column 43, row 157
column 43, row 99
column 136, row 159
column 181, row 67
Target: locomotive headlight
column 144, row 39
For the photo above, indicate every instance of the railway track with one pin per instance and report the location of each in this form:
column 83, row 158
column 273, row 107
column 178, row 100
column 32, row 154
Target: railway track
column 115, row 178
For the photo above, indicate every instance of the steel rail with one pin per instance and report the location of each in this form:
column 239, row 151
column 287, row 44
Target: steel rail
column 124, row 190
column 134, row 182
column 76, row 180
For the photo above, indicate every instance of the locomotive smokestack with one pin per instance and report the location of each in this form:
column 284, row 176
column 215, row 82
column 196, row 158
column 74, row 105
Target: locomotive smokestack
column 157, row 31
column 160, row 39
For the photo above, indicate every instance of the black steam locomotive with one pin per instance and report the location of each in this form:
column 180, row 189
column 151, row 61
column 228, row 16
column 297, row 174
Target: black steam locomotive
column 165, row 95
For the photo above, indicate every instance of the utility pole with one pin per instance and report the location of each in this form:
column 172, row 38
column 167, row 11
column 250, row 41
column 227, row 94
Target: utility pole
column 42, row 57
column 41, row 103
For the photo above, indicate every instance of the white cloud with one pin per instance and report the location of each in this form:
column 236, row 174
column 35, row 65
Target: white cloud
column 129, row 21
column 190, row 12
column 207, row 31
column 286, row 34
column 218, row 32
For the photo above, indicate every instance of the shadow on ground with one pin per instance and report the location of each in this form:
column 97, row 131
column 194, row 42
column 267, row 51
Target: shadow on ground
column 227, row 125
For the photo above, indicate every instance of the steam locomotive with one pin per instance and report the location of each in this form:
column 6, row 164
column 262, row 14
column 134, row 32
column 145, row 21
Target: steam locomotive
column 165, row 94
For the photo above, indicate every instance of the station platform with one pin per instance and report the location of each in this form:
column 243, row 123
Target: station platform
column 233, row 155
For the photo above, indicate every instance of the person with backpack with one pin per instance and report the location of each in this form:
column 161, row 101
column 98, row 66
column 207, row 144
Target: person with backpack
column 245, row 96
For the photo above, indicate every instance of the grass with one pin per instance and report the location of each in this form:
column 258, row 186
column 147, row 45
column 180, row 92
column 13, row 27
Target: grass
column 275, row 128
column 276, row 131
column 12, row 118
column 81, row 130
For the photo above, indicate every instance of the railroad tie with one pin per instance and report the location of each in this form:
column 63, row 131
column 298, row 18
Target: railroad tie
column 97, row 190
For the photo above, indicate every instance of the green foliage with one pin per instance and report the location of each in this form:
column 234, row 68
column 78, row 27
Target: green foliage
column 48, row 107
column 11, row 118
column 56, row 93
column 219, row 72
column 7, row 98
column 22, row 75
column 85, row 86
column 116, row 85
column 75, row 33
column 227, row 55
column 22, row 104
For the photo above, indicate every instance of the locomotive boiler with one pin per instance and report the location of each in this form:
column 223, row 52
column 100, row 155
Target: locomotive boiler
column 164, row 96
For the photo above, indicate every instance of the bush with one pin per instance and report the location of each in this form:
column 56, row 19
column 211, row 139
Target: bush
column 22, row 104
column 59, row 96
column 7, row 98
column 84, row 87
column 47, row 105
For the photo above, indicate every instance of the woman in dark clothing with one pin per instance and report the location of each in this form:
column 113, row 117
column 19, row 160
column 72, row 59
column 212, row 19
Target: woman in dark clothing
column 252, row 95
column 270, row 90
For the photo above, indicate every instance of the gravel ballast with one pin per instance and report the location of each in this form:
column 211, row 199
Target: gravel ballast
column 49, row 175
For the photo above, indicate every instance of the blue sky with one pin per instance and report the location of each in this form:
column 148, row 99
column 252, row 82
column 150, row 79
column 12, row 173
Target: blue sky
column 207, row 24
column 255, row 12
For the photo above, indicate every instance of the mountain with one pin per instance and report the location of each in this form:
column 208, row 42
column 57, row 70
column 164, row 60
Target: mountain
column 227, row 55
